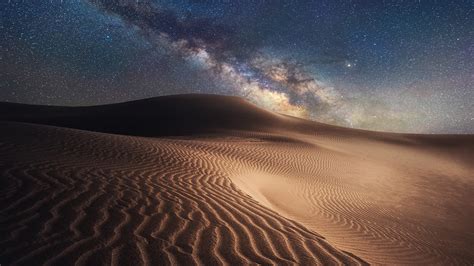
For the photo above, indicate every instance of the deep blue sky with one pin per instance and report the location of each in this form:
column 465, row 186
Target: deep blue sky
column 404, row 66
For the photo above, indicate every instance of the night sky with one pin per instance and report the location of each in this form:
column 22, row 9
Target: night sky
column 401, row 66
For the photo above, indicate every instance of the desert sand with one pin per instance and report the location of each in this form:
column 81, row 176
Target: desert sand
column 202, row 179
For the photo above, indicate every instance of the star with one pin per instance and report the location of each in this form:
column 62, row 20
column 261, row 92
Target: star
column 403, row 68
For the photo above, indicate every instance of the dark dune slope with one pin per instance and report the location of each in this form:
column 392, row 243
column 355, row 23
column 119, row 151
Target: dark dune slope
column 161, row 116
column 194, row 114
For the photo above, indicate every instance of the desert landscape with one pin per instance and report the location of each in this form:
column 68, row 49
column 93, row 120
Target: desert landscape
column 212, row 180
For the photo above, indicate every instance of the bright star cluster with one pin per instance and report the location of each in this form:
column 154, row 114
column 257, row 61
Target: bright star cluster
column 385, row 65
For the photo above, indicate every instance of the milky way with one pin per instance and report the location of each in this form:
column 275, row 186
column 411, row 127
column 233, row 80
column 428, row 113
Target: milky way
column 340, row 63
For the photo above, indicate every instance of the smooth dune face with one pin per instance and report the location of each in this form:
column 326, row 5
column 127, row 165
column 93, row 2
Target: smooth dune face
column 274, row 190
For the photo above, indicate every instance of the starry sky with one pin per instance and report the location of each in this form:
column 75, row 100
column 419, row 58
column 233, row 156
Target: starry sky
column 399, row 66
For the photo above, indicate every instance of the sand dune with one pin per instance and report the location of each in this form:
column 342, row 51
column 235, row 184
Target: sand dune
column 182, row 180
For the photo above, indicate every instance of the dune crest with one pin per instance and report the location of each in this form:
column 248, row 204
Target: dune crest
column 139, row 183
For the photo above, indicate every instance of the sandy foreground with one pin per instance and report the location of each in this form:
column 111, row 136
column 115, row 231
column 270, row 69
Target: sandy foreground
column 201, row 179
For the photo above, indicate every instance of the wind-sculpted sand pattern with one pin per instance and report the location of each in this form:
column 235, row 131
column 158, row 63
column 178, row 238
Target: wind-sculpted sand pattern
column 71, row 196
column 412, row 210
column 224, row 182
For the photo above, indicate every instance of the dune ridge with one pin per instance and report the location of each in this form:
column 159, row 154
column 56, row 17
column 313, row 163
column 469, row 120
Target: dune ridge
column 138, row 183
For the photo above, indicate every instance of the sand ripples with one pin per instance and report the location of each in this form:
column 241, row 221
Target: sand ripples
column 254, row 187
column 130, row 200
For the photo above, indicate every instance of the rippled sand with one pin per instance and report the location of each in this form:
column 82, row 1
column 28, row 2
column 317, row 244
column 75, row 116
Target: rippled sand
column 200, row 179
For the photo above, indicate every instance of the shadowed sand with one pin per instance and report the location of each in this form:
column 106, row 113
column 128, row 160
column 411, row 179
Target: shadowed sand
column 201, row 179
